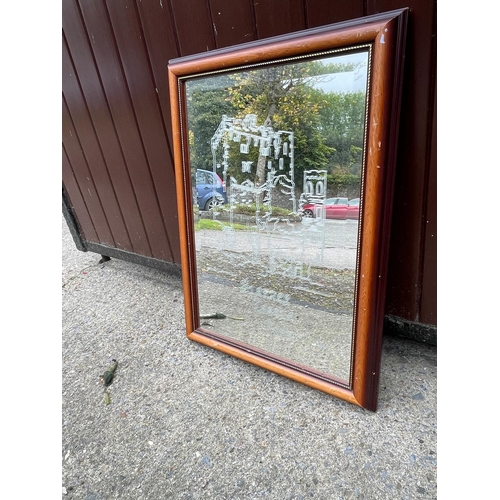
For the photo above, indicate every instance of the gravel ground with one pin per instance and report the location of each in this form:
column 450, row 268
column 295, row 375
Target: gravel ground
column 188, row 422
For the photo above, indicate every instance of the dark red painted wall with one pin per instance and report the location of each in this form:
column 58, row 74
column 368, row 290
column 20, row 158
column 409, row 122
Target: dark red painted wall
column 117, row 165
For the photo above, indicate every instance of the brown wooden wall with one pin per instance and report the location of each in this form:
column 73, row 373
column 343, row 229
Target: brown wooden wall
column 117, row 168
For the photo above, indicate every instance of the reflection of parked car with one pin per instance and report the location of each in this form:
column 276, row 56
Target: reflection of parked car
column 353, row 209
column 210, row 190
column 335, row 208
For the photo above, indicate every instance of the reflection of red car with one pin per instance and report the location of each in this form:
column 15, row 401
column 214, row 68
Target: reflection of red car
column 335, row 208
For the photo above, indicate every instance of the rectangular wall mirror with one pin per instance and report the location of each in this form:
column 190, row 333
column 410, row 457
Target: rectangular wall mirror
column 284, row 265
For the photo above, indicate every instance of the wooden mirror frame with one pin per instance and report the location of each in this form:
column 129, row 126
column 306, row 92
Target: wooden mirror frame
column 385, row 33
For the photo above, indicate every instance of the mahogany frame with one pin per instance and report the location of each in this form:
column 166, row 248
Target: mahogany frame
column 386, row 34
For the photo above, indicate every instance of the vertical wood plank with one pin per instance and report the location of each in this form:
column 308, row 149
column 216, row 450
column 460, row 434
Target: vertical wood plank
column 84, row 129
column 139, row 78
column 84, row 179
column 279, row 17
column 161, row 45
column 90, row 81
column 96, row 101
column 193, row 25
column 232, row 22
column 118, row 97
column 76, row 201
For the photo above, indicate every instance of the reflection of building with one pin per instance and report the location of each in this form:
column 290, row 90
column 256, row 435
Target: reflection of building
column 314, row 191
column 276, row 148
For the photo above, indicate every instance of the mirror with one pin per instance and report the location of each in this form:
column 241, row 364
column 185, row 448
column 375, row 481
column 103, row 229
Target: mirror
column 284, row 154
column 276, row 256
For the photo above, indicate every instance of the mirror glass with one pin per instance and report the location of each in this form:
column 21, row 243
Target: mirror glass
column 277, row 159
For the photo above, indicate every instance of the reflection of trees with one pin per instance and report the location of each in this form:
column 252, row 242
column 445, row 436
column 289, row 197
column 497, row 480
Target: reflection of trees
column 328, row 127
column 342, row 122
column 205, row 109
column 283, row 98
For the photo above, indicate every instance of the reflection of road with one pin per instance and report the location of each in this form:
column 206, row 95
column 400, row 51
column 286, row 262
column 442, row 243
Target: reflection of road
column 332, row 245
column 270, row 280
column 316, row 338
column 338, row 233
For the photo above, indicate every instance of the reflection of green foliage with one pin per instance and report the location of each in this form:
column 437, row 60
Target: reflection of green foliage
column 311, row 150
column 262, row 91
column 252, row 209
column 235, row 158
column 318, row 68
column 205, row 110
column 328, row 127
column 215, row 225
column 341, row 179
column 342, row 119
column 283, row 97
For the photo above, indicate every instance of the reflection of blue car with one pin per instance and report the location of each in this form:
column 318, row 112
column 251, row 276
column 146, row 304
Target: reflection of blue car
column 210, row 190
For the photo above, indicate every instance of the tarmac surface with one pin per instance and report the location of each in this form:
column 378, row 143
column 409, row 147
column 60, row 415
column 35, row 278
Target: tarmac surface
column 188, row 422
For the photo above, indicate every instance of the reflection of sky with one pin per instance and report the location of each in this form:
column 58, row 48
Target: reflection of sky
column 350, row 81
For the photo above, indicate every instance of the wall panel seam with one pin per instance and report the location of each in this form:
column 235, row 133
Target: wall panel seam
column 151, row 71
column 254, row 20
column 176, row 31
column 208, row 6
column 306, row 17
